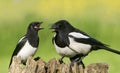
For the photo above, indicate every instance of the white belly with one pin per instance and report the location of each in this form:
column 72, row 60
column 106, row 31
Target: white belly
column 65, row 51
column 78, row 48
column 26, row 51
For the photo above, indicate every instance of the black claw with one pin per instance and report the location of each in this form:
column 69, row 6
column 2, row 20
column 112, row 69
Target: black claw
column 61, row 60
column 24, row 63
column 37, row 58
column 78, row 63
column 77, row 60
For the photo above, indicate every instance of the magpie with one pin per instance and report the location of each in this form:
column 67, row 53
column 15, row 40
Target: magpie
column 28, row 44
column 73, row 43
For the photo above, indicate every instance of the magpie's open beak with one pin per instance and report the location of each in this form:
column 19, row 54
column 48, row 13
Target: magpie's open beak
column 53, row 27
column 38, row 26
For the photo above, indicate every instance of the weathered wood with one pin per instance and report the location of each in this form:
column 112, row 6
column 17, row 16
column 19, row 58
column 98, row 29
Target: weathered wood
column 54, row 66
column 16, row 66
column 97, row 68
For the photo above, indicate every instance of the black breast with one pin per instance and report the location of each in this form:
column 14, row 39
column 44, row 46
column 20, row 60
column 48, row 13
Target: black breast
column 61, row 41
column 34, row 41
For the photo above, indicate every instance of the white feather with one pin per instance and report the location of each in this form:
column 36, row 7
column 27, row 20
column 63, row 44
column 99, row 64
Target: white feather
column 21, row 39
column 78, row 48
column 67, row 52
column 26, row 51
column 78, row 35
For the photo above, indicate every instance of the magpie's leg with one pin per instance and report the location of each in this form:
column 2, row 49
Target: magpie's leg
column 23, row 62
column 78, row 60
column 61, row 60
column 73, row 60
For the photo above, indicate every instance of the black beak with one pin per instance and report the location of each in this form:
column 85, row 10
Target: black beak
column 53, row 27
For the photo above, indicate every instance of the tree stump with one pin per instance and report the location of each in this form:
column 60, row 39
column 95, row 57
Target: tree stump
column 54, row 66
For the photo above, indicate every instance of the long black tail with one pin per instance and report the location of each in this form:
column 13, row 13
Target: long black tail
column 111, row 50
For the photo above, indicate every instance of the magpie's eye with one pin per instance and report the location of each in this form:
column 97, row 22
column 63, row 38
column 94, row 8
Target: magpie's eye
column 60, row 26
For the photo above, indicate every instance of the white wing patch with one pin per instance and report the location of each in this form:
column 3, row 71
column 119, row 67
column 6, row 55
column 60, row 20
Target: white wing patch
column 21, row 39
column 26, row 51
column 77, row 46
column 78, row 35
column 81, row 48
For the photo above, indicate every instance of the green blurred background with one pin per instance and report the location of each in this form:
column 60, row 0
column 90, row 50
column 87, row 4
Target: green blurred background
column 99, row 18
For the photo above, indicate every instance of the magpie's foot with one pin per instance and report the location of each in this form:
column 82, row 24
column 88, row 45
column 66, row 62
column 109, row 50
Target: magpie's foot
column 61, row 61
column 24, row 63
column 81, row 63
column 37, row 58
column 78, row 63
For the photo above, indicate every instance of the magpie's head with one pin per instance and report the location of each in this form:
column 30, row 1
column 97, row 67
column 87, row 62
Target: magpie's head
column 35, row 26
column 62, row 25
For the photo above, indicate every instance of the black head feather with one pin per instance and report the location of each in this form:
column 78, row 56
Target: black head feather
column 62, row 25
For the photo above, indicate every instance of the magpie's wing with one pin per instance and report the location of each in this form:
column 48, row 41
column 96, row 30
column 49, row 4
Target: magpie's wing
column 85, row 39
column 95, row 43
column 18, row 47
column 90, row 41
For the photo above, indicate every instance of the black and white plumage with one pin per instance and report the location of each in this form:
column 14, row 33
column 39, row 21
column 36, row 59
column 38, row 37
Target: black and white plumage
column 74, row 43
column 28, row 44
